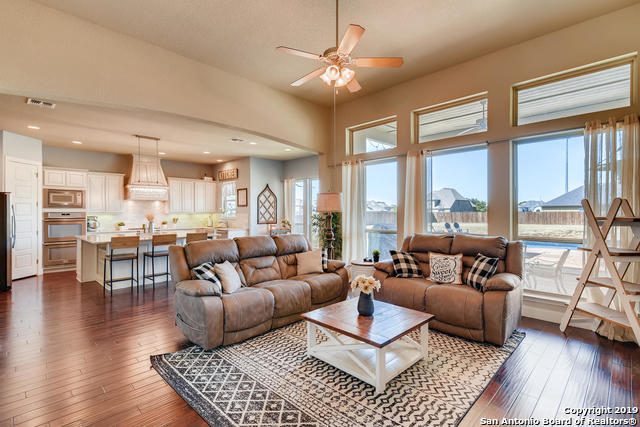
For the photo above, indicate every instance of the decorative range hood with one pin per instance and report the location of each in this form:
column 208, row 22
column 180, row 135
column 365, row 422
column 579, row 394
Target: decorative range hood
column 146, row 179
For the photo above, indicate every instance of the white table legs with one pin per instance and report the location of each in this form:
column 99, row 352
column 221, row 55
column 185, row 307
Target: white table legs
column 373, row 365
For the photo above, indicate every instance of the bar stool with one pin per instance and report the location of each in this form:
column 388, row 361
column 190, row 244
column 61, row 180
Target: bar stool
column 126, row 242
column 194, row 237
column 157, row 240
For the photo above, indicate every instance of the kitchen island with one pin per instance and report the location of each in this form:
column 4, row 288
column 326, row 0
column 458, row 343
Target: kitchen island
column 92, row 248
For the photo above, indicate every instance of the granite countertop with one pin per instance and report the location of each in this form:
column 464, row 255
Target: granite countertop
column 103, row 238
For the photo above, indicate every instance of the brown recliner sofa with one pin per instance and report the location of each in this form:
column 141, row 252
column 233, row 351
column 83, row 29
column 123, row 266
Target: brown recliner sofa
column 272, row 293
column 489, row 315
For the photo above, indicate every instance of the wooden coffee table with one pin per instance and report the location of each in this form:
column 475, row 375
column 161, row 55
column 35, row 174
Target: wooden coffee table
column 374, row 349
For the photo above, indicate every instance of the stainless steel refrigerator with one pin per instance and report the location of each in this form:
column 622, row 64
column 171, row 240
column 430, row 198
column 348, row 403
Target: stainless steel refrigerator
column 7, row 240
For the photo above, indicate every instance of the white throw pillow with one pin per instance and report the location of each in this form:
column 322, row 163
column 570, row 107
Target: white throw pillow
column 228, row 276
column 309, row 262
column 445, row 268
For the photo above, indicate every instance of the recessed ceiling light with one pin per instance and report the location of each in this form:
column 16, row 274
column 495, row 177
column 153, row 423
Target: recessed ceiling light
column 33, row 127
column 205, row 152
column 162, row 153
column 77, row 142
column 253, row 143
column 220, row 160
column 287, row 149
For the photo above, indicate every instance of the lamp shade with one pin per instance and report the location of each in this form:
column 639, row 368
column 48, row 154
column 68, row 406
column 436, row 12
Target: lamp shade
column 329, row 202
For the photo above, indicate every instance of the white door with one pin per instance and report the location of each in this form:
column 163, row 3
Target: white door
column 200, row 189
column 22, row 183
column 187, row 196
column 175, row 195
column 114, row 193
column 95, row 193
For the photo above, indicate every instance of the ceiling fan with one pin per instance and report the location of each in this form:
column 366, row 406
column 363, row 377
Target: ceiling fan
column 337, row 63
column 481, row 123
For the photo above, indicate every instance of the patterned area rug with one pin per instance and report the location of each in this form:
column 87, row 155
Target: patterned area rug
column 270, row 381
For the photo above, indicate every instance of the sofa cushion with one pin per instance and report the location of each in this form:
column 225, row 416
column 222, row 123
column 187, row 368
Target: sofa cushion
column 408, row 293
column 213, row 251
column 405, row 265
column 324, row 286
column 260, row 269
column 229, row 277
column 445, row 268
column 291, row 244
column 246, row 308
column 288, row 265
column 255, row 246
column 290, row 296
column 483, row 268
column 458, row 305
column 309, row 262
column 494, row 247
column 430, row 243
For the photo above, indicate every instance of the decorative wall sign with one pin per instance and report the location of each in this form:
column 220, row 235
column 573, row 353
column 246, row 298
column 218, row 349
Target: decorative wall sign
column 241, row 197
column 227, row 174
column 267, row 207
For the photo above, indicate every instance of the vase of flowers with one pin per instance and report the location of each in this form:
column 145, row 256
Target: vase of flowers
column 366, row 286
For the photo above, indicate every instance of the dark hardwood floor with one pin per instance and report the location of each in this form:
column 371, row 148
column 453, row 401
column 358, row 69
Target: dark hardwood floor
column 70, row 356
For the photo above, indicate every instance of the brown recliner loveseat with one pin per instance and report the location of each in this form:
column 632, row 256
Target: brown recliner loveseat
column 489, row 315
column 272, row 293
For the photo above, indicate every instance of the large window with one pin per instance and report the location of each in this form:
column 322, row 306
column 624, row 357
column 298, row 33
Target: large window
column 381, row 211
column 597, row 87
column 377, row 136
column 454, row 118
column 456, row 191
column 305, row 203
column 228, row 194
column 549, row 188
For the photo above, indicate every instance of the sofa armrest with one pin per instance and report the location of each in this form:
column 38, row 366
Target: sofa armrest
column 334, row 265
column 385, row 266
column 198, row 288
column 502, row 282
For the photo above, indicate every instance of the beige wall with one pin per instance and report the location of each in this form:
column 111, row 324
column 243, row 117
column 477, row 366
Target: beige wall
column 69, row 59
column 604, row 37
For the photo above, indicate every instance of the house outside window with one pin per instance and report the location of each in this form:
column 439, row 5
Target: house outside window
column 371, row 137
column 381, row 211
column 228, row 195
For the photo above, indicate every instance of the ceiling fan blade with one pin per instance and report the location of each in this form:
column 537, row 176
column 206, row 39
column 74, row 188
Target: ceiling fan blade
column 350, row 39
column 297, row 52
column 378, row 62
column 308, row 77
column 353, row 85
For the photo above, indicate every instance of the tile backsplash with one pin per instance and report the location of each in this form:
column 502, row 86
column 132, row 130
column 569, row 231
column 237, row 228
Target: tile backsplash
column 134, row 211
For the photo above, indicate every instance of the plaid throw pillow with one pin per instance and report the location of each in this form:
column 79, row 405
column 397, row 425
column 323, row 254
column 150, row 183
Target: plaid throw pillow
column 325, row 259
column 481, row 270
column 405, row 265
column 206, row 272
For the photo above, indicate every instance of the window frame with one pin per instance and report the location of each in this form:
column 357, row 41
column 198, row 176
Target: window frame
column 307, row 206
column 223, row 200
column 350, row 130
column 444, row 106
column 514, row 183
column 364, row 208
column 630, row 58
column 428, row 179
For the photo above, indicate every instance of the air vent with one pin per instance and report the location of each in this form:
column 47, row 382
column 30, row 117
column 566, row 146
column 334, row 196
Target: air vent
column 41, row 103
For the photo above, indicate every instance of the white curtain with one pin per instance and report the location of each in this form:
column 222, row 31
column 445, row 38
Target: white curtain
column 353, row 206
column 612, row 169
column 413, row 194
column 289, row 200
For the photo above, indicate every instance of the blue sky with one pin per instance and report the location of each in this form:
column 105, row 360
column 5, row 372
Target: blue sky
column 540, row 165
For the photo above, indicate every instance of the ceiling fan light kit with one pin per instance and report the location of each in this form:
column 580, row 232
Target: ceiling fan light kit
column 337, row 69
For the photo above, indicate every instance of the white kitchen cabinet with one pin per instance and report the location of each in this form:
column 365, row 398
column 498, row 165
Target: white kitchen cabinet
column 188, row 205
column 95, row 192
column 114, row 194
column 210, row 197
column 105, row 192
column 64, row 178
column 200, row 194
column 175, row 195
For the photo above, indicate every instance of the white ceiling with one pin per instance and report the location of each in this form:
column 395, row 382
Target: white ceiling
column 240, row 36
column 111, row 130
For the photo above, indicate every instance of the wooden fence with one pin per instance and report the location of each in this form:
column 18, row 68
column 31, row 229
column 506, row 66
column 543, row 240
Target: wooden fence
column 545, row 217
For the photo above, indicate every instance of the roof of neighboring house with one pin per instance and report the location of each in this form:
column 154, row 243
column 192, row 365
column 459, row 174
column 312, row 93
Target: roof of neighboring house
column 531, row 204
column 572, row 198
column 447, row 197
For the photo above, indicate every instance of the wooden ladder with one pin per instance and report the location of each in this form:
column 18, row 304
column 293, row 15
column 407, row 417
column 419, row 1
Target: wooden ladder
column 628, row 293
